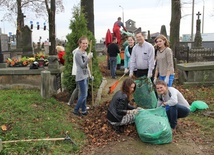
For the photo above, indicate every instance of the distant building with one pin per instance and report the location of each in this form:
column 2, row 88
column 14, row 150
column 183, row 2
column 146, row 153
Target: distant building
column 205, row 37
column 131, row 27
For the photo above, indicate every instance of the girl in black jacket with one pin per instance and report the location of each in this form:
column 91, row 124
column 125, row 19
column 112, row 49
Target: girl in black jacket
column 120, row 112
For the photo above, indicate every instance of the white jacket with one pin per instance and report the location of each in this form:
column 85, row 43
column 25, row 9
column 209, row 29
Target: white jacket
column 74, row 67
column 172, row 98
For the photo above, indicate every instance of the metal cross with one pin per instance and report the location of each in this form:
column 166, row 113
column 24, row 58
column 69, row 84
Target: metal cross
column 198, row 14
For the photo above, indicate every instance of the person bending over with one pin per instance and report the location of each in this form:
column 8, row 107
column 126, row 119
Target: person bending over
column 120, row 112
column 174, row 102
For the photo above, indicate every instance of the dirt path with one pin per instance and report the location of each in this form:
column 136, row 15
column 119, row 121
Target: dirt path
column 131, row 146
column 183, row 144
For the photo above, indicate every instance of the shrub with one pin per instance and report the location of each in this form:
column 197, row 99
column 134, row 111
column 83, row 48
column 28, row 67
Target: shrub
column 78, row 27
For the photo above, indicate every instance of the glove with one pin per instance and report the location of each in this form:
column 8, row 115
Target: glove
column 90, row 55
column 91, row 78
column 149, row 75
column 139, row 108
column 133, row 112
column 154, row 81
column 126, row 71
column 166, row 79
column 130, row 75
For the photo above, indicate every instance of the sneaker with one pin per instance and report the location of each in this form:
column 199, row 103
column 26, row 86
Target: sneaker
column 77, row 113
column 85, row 113
column 68, row 103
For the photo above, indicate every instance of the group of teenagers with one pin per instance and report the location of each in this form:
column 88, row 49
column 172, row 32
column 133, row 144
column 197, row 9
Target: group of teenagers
column 140, row 60
column 154, row 62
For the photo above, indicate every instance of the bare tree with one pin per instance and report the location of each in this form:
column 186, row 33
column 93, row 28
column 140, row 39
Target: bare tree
column 175, row 24
column 87, row 7
column 51, row 8
column 45, row 8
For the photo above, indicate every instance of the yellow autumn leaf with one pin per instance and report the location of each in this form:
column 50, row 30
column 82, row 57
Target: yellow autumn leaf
column 4, row 127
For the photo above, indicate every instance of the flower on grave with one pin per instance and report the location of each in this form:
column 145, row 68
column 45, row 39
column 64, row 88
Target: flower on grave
column 17, row 62
column 40, row 55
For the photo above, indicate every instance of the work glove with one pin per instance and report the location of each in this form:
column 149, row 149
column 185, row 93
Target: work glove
column 91, row 78
column 133, row 112
column 166, row 79
column 126, row 70
column 130, row 75
column 90, row 55
column 139, row 108
column 154, row 81
column 149, row 75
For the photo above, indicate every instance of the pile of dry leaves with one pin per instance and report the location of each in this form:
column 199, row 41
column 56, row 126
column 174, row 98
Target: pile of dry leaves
column 98, row 130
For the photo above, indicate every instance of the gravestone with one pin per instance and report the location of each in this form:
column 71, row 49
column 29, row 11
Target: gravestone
column 46, row 47
column 27, row 45
column 3, row 48
column 3, row 43
column 198, row 38
column 163, row 31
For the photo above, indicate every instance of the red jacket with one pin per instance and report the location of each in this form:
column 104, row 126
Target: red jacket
column 60, row 56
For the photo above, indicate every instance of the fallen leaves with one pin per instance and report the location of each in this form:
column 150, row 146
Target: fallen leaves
column 97, row 129
column 4, row 127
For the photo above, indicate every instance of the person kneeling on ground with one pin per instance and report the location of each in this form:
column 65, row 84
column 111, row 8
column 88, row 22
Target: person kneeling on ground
column 120, row 112
column 174, row 102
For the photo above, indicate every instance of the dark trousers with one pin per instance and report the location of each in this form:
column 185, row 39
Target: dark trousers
column 141, row 72
column 113, row 66
column 175, row 112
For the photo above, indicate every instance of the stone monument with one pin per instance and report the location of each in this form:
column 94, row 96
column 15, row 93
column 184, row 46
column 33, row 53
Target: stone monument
column 27, row 45
column 3, row 48
column 163, row 31
column 198, row 38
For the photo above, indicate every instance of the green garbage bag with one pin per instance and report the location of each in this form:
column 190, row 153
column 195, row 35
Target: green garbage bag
column 118, row 59
column 153, row 126
column 201, row 105
column 144, row 94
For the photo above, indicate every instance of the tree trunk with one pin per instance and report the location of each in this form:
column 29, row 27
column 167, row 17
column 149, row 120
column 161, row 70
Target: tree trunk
column 175, row 25
column 88, row 9
column 52, row 33
column 20, row 24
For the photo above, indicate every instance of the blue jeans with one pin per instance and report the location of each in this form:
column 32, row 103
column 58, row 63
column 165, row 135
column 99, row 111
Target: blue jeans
column 175, row 112
column 81, row 103
column 113, row 66
column 171, row 78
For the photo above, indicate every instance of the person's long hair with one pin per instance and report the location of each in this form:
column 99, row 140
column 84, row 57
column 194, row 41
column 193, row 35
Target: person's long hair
column 162, row 37
column 126, row 87
column 81, row 39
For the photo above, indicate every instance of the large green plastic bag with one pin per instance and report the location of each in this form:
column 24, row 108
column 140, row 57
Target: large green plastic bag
column 118, row 59
column 144, row 94
column 153, row 126
column 198, row 105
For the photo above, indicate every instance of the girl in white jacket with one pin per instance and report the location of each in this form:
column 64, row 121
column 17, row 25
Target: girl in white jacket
column 174, row 102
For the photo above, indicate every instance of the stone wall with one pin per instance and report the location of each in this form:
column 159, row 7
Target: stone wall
column 25, row 78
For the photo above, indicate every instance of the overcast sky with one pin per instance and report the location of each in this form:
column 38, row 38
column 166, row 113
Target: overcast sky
column 148, row 14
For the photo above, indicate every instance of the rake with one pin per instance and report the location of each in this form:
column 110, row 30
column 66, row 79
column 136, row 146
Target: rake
column 112, row 87
column 66, row 138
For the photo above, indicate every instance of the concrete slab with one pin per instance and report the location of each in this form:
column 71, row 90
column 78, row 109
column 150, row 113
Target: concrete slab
column 196, row 73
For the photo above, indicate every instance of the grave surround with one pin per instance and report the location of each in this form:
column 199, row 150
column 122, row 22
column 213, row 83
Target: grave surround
column 25, row 78
column 196, row 73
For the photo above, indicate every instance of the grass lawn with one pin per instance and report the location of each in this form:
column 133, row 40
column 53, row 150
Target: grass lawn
column 25, row 115
column 28, row 116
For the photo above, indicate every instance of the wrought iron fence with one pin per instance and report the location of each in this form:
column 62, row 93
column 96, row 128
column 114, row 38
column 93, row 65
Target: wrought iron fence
column 185, row 54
